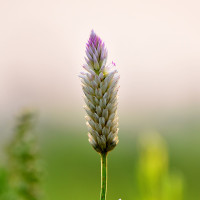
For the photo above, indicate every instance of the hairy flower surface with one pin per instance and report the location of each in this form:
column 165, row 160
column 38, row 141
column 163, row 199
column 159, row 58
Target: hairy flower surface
column 100, row 86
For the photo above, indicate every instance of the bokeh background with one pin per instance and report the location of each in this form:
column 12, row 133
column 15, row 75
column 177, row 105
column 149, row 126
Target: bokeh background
column 156, row 47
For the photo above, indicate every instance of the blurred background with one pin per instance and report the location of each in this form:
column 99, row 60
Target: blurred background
column 156, row 47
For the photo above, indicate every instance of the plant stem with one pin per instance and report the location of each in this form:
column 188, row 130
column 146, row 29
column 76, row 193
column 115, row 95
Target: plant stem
column 103, row 176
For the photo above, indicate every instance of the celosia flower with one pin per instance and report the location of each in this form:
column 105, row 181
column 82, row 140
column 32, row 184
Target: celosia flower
column 100, row 86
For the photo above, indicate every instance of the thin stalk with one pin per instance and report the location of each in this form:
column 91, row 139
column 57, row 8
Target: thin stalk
column 103, row 176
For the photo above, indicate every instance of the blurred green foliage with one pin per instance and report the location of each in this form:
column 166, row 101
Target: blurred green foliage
column 21, row 179
column 3, row 183
column 154, row 178
column 71, row 163
column 150, row 172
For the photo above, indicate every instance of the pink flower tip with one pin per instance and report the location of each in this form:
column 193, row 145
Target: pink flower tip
column 113, row 63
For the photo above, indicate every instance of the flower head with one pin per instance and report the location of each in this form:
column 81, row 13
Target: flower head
column 100, row 86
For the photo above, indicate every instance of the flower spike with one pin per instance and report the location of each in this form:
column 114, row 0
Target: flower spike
column 100, row 86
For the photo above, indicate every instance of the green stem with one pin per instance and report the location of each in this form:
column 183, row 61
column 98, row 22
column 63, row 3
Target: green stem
column 103, row 176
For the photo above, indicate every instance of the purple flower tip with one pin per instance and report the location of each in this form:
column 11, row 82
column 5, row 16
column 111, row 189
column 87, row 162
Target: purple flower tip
column 94, row 40
column 92, row 33
column 113, row 63
column 95, row 51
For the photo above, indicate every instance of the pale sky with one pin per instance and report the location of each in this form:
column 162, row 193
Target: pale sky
column 155, row 45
